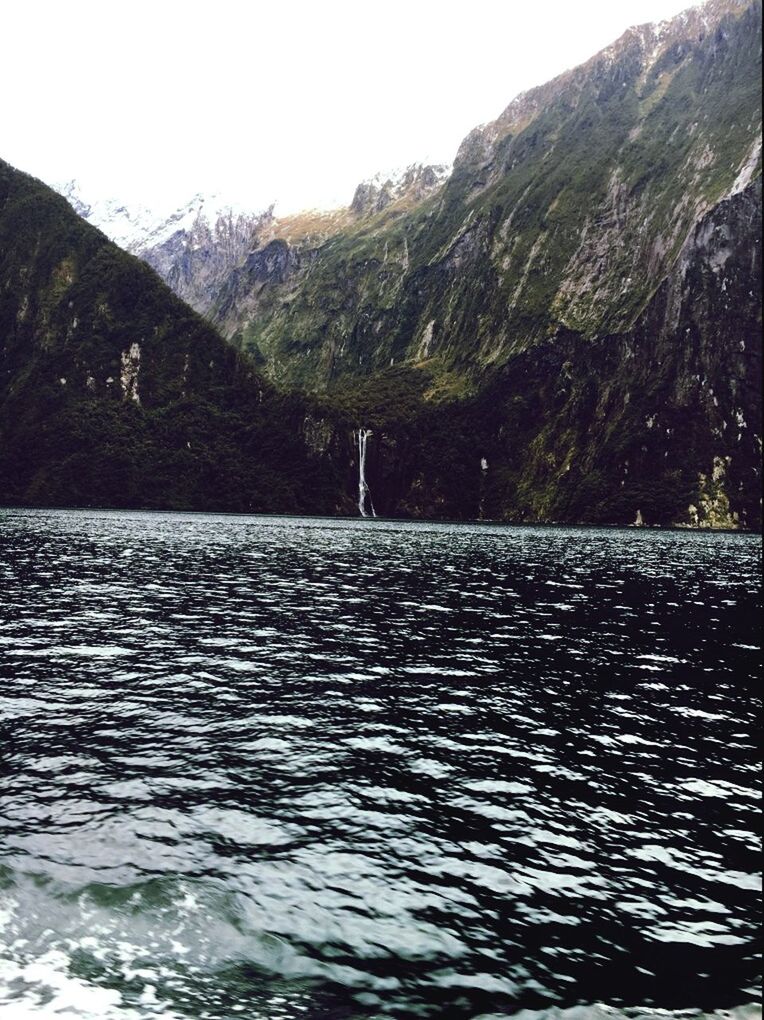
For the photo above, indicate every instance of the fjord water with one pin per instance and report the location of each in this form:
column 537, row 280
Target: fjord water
column 276, row 768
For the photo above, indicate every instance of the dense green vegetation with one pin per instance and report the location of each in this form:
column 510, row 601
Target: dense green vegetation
column 204, row 432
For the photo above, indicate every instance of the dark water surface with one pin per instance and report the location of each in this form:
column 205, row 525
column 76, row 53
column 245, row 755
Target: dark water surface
column 283, row 768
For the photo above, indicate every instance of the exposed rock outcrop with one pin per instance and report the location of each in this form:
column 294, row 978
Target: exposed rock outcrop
column 198, row 257
column 412, row 185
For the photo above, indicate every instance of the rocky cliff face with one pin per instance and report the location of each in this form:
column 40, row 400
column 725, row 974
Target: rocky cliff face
column 567, row 212
column 660, row 424
column 273, row 273
column 411, row 185
column 577, row 307
column 194, row 248
column 196, row 255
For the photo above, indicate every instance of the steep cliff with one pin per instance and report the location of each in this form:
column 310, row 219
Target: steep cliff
column 195, row 252
column 660, row 423
column 568, row 212
column 570, row 327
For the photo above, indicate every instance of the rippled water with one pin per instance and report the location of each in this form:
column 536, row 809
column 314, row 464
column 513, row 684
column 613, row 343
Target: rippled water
column 276, row 768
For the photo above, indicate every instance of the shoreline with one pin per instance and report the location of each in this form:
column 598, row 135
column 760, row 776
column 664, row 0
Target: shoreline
column 370, row 521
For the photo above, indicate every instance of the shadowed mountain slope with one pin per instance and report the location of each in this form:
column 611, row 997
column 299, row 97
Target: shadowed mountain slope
column 114, row 392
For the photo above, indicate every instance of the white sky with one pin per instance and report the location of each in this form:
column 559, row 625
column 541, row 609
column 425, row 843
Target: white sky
column 151, row 101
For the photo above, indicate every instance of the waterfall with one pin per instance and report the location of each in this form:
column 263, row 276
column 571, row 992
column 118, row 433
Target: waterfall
column 364, row 494
column 483, row 475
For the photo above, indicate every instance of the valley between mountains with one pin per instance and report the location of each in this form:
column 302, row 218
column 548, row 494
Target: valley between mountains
column 564, row 326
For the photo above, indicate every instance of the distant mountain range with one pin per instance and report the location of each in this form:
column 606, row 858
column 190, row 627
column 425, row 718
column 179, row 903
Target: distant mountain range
column 193, row 248
column 566, row 325
column 198, row 245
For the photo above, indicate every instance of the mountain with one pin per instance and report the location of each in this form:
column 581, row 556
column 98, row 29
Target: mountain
column 567, row 212
column 114, row 392
column 566, row 327
column 128, row 226
column 398, row 188
column 578, row 304
column 659, row 424
column 197, row 247
column 193, row 248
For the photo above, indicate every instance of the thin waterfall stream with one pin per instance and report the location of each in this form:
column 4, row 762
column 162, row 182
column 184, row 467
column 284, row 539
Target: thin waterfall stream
column 364, row 493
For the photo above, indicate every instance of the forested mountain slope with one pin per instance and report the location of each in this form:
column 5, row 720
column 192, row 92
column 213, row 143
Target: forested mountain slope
column 114, row 392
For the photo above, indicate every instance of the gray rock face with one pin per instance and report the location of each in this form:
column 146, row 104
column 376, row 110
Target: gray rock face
column 198, row 257
column 275, row 261
column 414, row 183
column 194, row 249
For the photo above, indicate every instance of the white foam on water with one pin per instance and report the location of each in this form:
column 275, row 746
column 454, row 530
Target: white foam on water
column 600, row 1011
column 44, row 988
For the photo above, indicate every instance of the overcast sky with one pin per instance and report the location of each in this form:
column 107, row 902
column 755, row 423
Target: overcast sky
column 288, row 100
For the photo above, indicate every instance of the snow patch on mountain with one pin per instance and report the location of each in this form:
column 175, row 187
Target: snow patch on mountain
column 126, row 226
column 413, row 182
column 140, row 228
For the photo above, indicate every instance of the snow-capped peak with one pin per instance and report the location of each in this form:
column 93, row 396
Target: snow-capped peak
column 137, row 228
column 126, row 226
column 415, row 181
